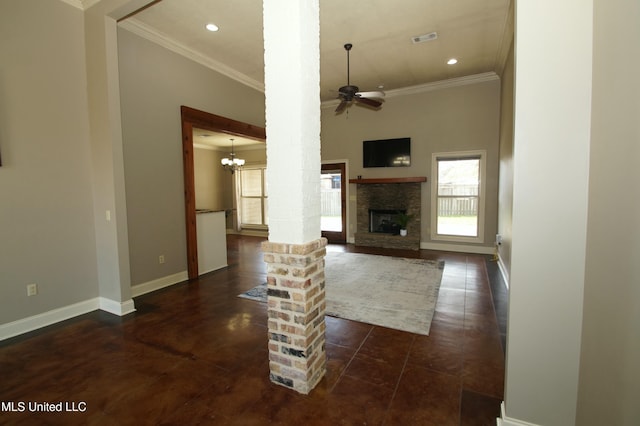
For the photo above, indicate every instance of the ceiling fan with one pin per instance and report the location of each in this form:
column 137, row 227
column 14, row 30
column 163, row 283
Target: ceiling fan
column 347, row 94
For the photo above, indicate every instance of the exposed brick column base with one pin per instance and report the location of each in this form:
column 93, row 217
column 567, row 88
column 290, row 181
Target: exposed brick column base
column 296, row 307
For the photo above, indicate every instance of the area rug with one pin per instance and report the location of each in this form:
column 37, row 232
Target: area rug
column 259, row 293
column 393, row 292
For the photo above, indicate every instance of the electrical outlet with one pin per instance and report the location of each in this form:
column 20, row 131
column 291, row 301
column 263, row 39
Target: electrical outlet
column 32, row 289
column 161, row 259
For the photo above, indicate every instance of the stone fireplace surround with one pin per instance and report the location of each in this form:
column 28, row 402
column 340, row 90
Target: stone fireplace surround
column 388, row 194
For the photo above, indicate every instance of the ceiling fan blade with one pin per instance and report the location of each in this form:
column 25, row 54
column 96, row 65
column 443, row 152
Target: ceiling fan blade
column 375, row 94
column 341, row 107
column 368, row 102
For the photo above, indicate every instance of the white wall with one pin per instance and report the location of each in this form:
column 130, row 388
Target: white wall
column 609, row 389
column 46, row 204
column 505, row 192
column 551, row 172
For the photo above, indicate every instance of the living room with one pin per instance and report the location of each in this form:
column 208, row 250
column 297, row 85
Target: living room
column 458, row 115
column 78, row 187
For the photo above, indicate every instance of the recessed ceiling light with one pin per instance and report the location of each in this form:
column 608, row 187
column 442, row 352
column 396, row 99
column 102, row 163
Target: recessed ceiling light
column 212, row 27
column 452, row 61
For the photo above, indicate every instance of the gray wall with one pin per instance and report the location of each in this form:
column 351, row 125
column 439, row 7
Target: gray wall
column 46, row 202
column 460, row 118
column 154, row 83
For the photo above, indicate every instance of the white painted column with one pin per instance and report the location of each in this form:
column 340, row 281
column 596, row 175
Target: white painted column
column 295, row 251
column 292, row 87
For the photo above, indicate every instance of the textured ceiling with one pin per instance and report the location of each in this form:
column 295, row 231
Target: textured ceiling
column 381, row 31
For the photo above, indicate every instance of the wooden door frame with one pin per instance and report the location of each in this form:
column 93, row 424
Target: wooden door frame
column 338, row 237
column 203, row 120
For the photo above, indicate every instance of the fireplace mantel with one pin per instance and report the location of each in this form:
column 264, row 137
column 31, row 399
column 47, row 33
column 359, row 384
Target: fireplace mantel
column 390, row 180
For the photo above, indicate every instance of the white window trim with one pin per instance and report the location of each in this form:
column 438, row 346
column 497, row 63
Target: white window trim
column 259, row 227
column 481, row 195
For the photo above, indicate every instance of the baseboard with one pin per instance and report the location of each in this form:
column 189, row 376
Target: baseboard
column 116, row 308
column 503, row 271
column 447, row 247
column 44, row 319
column 249, row 232
column 149, row 286
column 457, row 248
column 215, row 268
column 503, row 420
column 25, row 325
column 254, row 233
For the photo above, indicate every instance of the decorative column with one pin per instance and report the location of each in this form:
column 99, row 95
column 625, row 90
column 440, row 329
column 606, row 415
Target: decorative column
column 295, row 252
column 296, row 307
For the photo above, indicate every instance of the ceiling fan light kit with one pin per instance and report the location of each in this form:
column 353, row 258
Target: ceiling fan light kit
column 350, row 93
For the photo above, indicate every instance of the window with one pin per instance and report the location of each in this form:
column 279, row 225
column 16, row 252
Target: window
column 252, row 197
column 457, row 200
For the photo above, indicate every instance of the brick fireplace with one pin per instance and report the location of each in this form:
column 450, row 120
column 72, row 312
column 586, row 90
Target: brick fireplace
column 390, row 196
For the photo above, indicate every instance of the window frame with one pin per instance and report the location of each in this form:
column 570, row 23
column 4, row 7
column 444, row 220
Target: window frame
column 263, row 197
column 459, row 155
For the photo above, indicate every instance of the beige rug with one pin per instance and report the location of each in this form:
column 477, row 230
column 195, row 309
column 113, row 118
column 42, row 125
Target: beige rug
column 391, row 292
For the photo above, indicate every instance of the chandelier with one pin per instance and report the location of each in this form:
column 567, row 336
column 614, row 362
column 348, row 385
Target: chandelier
column 232, row 163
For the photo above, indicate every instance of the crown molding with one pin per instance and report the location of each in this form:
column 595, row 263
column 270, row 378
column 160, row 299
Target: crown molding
column 507, row 39
column 81, row 4
column 75, row 3
column 444, row 84
column 144, row 31
column 428, row 87
column 86, row 4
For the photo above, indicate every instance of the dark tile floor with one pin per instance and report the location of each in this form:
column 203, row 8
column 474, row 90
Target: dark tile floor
column 195, row 353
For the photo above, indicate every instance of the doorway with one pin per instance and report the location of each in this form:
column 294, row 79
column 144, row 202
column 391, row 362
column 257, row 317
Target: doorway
column 203, row 120
column 333, row 210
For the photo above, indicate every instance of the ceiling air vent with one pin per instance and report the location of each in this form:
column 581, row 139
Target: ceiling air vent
column 425, row 37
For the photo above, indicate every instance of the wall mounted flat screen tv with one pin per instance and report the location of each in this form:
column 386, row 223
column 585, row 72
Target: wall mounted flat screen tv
column 387, row 153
